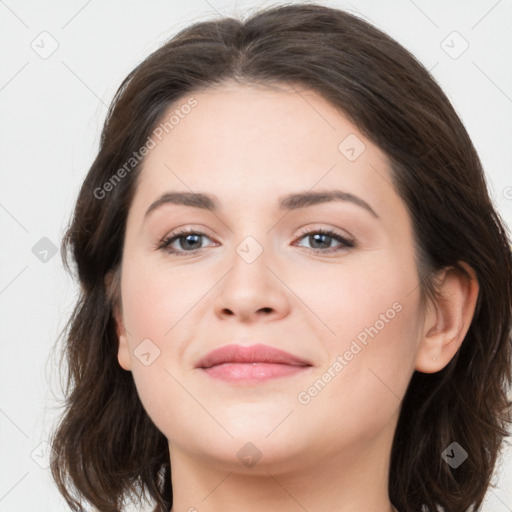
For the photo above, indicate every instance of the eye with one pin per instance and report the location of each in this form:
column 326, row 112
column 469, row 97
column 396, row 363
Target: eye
column 182, row 242
column 188, row 242
column 321, row 239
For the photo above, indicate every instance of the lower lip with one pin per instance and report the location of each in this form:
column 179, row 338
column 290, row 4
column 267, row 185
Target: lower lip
column 252, row 372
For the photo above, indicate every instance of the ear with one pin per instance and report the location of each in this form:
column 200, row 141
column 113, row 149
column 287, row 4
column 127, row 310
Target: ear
column 113, row 288
column 447, row 320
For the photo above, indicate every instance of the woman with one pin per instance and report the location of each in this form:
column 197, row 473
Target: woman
column 296, row 293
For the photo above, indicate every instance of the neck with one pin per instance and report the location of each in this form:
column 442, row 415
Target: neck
column 352, row 480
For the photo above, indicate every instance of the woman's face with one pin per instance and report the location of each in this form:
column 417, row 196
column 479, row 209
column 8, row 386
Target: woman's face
column 258, row 270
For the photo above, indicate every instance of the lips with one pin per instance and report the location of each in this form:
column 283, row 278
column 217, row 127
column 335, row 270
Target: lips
column 258, row 353
column 240, row 365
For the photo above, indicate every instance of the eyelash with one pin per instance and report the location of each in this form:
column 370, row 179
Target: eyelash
column 346, row 244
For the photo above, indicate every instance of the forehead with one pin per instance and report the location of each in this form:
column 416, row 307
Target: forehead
column 251, row 143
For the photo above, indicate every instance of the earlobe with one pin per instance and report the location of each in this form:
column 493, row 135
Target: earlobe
column 447, row 320
column 123, row 351
column 113, row 291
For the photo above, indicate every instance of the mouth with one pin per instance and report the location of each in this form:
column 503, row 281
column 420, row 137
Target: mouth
column 251, row 364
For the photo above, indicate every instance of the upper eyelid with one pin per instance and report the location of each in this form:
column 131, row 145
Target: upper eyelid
column 337, row 231
column 302, row 232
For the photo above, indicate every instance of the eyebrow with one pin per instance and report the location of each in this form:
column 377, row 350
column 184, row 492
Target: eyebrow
column 288, row 202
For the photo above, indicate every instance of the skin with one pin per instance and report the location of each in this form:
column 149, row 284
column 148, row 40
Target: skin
column 249, row 145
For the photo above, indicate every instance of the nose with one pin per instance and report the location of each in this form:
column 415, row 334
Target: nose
column 252, row 292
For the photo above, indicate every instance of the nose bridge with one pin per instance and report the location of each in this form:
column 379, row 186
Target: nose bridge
column 249, row 263
column 252, row 238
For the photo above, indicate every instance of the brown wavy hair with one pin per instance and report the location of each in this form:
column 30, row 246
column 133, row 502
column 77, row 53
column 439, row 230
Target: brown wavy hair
column 106, row 448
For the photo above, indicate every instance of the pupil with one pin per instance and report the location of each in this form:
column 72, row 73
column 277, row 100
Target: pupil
column 317, row 236
column 188, row 239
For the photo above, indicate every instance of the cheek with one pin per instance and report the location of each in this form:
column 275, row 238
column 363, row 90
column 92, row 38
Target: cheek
column 351, row 297
column 157, row 298
column 360, row 388
column 371, row 317
column 159, row 303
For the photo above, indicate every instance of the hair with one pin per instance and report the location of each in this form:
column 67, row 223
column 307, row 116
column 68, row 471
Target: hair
column 106, row 447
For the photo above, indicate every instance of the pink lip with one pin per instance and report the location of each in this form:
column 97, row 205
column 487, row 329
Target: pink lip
column 238, row 363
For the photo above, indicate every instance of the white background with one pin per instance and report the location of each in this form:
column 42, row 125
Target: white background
column 52, row 111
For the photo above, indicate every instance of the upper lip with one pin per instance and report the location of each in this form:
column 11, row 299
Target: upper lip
column 258, row 353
